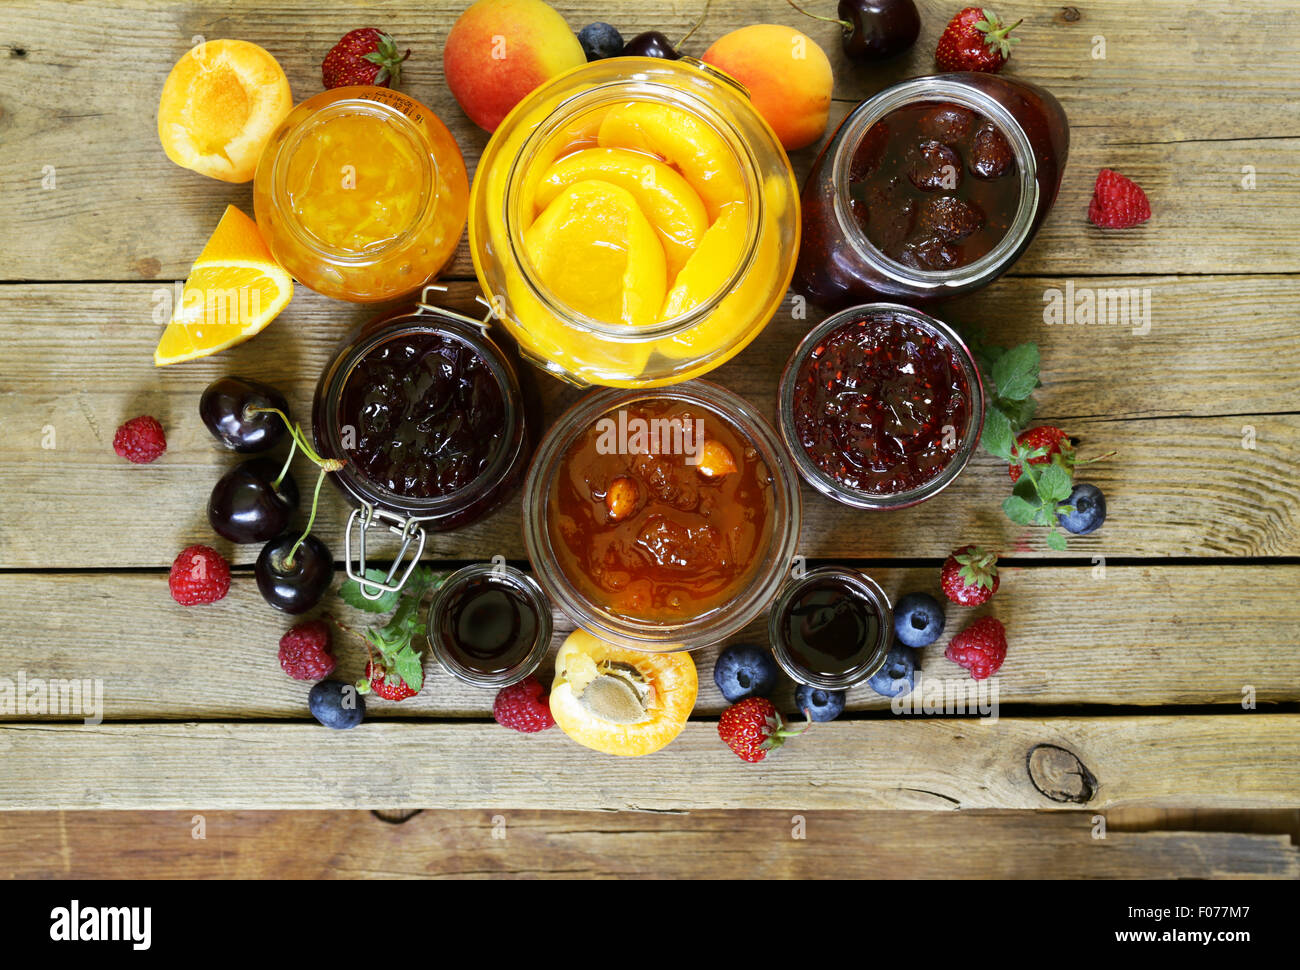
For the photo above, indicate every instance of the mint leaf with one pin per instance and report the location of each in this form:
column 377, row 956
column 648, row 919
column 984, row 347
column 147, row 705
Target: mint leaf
column 1019, row 511
column 1054, row 485
column 409, row 668
column 1056, row 541
column 350, row 593
column 996, row 436
column 1019, row 413
column 1015, row 373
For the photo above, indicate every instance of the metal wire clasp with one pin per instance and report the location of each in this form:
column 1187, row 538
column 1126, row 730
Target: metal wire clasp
column 366, row 517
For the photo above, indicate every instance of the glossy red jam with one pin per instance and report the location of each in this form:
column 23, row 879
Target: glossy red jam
column 933, row 185
column 881, row 404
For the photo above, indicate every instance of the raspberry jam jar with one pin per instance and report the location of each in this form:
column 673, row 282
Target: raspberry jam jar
column 661, row 520
column 881, row 406
column 427, row 413
column 931, row 189
column 831, row 628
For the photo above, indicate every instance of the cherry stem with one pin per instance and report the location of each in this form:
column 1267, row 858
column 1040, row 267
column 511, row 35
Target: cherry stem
column 697, row 26
column 284, row 470
column 311, row 519
column 295, row 430
column 844, row 24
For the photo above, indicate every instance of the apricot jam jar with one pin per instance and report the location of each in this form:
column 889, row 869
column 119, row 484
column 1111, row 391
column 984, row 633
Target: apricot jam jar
column 427, row 414
column 661, row 519
column 634, row 222
column 881, row 406
column 831, row 628
column 361, row 194
column 931, row 189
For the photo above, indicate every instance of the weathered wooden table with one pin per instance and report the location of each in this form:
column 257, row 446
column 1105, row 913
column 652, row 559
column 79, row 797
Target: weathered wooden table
column 1132, row 653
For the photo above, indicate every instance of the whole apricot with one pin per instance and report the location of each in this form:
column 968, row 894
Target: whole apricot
column 499, row 51
column 787, row 74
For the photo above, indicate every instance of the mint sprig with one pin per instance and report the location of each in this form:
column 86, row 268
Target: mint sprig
column 397, row 641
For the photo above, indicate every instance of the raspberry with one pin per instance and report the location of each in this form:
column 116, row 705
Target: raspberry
column 199, row 575
column 390, row 688
column 980, row 648
column 521, row 706
column 140, row 440
column 1117, row 202
column 305, row 651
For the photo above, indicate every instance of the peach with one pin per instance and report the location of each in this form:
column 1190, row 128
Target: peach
column 788, row 76
column 220, row 105
column 501, row 50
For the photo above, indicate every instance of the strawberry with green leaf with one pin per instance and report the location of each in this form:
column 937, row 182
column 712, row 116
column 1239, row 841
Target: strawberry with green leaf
column 398, row 671
column 969, row 576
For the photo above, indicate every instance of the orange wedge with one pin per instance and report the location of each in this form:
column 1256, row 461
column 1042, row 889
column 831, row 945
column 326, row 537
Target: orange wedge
column 234, row 289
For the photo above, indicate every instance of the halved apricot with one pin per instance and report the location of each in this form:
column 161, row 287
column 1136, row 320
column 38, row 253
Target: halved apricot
column 619, row 701
column 219, row 106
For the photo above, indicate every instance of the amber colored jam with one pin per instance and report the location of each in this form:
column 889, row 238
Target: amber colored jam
column 643, row 532
column 881, row 404
column 488, row 626
column 427, row 412
column 830, row 628
column 934, row 185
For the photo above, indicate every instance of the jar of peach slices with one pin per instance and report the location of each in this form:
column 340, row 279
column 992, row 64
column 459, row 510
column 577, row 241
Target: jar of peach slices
column 634, row 222
column 361, row 194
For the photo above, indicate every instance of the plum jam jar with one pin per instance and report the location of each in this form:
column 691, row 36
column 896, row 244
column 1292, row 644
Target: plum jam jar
column 831, row 628
column 661, row 520
column 426, row 412
column 931, row 189
column 881, row 406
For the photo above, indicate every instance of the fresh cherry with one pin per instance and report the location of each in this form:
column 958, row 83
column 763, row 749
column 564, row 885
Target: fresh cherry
column 294, row 572
column 652, row 43
column 253, row 501
column 874, row 30
column 225, row 408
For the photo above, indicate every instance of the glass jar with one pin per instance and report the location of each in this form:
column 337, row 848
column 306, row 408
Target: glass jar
column 361, row 194
column 936, row 437
column 686, row 570
column 474, row 450
column 839, row 266
column 827, row 652
column 665, row 155
column 497, row 657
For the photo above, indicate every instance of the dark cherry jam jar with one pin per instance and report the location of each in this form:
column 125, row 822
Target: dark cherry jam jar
column 489, row 625
column 931, row 189
column 881, row 406
column 426, row 411
column 831, row 628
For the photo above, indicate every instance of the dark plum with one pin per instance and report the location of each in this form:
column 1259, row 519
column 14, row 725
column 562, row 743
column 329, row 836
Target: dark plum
column 294, row 585
column 225, row 411
column 248, row 504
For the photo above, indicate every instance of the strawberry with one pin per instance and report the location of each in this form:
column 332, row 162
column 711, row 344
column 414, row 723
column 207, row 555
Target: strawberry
column 524, row 707
column 385, row 683
column 1117, row 202
column 970, row 576
column 365, row 56
column 975, row 40
column 1038, row 446
column 753, row 727
column 980, row 648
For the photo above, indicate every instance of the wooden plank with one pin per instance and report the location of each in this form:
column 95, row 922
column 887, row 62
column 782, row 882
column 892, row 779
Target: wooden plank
column 1214, row 761
column 1150, row 108
column 78, row 362
column 529, row 844
column 1140, row 635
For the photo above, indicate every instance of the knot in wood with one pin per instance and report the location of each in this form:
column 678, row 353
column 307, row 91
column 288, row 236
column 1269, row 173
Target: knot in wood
column 1060, row 775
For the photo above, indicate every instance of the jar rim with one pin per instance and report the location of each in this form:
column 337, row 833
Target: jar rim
column 328, row 110
column 335, row 378
column 865, row 585
column 646, row 89
column 938, row 88
column 833, row 488
column 722, row 621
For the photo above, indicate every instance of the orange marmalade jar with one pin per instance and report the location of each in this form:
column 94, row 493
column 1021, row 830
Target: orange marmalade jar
column 362, row 194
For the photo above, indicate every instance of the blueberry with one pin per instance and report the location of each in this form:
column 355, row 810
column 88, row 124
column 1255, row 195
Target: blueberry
column 336, row 704
column 821, row 705
column 744, row 671
column 898, row 675
column 599, row 41
column 918, row 620
column 1089, row 510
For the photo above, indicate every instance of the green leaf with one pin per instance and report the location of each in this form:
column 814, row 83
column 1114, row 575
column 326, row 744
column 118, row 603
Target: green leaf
column 1019, row 511
column 1019, row 413
column 1015, row 373
column 996, row 436
column 1026, row 488
column 1056, row 541
column 409, row 668
column 1054, row 485
column 350, row 593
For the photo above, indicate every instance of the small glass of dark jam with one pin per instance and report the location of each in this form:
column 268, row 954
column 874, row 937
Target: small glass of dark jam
column 831, row 628
column 881, row 406
column 489, row 625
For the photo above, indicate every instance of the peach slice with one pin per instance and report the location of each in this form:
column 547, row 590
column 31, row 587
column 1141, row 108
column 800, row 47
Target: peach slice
column 220, row 105
column 667, row 199
column 712, row 263
column 682, row 140
column 619, row 701
column 595, row 251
